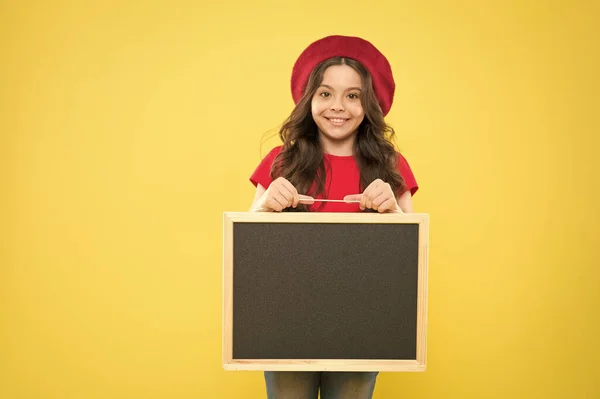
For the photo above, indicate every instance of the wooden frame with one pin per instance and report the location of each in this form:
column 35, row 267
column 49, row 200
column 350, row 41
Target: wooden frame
column 229, row 363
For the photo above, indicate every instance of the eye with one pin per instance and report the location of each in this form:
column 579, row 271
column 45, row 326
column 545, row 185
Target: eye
column 325, row 94
column 353, row 96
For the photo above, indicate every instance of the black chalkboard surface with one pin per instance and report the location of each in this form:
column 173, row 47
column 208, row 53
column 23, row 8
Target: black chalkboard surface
column 324, row 291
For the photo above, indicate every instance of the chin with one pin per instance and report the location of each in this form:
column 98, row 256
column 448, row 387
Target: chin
column 338, row 136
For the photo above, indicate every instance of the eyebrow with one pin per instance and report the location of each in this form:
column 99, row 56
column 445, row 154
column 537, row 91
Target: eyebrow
column 348, row 89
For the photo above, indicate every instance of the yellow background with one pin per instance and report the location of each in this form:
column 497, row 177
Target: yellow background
column 127, row 128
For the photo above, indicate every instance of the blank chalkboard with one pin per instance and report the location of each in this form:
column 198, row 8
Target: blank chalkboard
column 316, row 291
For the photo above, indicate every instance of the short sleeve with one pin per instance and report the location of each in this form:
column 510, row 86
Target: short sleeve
column 407, row 175
column 262, row 173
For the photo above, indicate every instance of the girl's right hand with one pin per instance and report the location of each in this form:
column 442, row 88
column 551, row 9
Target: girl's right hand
column 281, row 194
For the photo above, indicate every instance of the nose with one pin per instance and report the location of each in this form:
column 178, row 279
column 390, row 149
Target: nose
column 337, row 104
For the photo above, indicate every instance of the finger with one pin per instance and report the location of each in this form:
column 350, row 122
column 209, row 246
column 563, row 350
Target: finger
column 286, row 190
column 369, row 197
column 388, row 205
column 364, row 198
column 293, row 193
column 377, row 189
column 380, row 194
column 370, row 192
column 281, row 200
column 368, row 203
column 379, row 199
column 273, row 204
column 289, row 197
column 353, row 197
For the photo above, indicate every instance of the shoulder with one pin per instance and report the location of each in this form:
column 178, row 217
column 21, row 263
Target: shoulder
column 401, row 158
column 262, row 173
column 268, row 159
column 402, row 162
column 272, row 154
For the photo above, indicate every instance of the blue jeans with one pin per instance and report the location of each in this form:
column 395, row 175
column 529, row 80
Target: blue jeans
column 333, row 385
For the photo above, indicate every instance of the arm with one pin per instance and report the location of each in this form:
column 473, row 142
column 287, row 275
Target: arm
column 260, row 191
column 405, row 202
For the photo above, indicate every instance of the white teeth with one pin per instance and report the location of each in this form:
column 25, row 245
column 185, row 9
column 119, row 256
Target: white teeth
column 338, row 120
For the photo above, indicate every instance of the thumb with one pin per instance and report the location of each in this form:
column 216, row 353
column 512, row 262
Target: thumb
column 353, row 197
column 305, row 199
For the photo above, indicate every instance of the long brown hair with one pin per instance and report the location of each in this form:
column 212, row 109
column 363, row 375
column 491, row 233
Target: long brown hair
column 301, row 159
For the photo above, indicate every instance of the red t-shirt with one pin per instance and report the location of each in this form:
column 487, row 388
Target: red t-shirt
column 343, row 179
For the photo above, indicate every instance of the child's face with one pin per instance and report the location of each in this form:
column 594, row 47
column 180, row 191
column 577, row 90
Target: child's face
column 336, row 106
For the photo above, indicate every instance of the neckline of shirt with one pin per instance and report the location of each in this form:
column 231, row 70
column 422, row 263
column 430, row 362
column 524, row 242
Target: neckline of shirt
column 341, row 157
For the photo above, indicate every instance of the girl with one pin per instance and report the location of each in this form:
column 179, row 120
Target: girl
column 336, row 145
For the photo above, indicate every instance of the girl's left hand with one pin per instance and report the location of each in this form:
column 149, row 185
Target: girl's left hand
column 378, row 196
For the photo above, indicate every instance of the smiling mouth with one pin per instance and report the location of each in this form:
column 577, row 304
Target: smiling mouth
column 337, row 121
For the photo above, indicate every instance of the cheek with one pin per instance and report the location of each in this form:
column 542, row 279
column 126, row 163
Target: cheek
column 317, row 107
column 357, row 110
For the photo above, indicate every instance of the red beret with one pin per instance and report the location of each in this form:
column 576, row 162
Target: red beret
column 351, row 47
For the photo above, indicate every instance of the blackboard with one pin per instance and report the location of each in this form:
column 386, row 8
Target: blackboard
column 316, row 291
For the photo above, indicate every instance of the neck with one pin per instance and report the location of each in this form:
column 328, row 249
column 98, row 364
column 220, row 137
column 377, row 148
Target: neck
column 340, row 148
